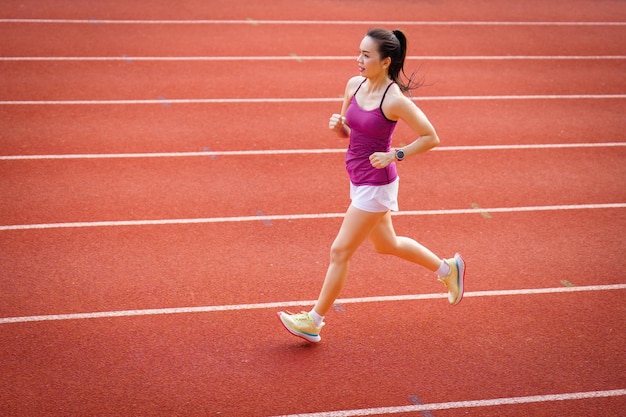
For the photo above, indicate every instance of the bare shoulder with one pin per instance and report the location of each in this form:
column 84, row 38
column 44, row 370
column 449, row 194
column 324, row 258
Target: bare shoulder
column 353, row 84
column 397, row 105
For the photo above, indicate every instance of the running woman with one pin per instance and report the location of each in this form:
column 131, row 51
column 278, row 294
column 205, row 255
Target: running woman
column 373, row 103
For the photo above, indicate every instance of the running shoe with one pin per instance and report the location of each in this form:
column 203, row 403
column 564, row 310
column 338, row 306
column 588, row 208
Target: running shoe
column 301, row 325
column 454, row 280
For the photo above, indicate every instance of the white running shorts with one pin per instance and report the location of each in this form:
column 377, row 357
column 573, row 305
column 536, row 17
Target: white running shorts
column 375, row 198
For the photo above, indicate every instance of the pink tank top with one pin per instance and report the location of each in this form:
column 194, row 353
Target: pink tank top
column 370, row 131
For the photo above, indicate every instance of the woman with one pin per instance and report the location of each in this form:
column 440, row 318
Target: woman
column 373, row 103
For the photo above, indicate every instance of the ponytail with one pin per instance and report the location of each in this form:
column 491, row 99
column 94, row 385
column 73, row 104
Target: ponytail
column 393, row 44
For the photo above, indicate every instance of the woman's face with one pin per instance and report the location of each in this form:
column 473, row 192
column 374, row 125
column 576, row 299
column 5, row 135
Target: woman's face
column 370, row 64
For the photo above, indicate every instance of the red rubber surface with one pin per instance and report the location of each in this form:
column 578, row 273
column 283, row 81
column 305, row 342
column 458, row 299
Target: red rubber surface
column 239, row 361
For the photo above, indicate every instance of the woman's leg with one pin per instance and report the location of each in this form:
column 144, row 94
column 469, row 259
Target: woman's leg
column 451, row 272
column 356, row 227
column 385, row 241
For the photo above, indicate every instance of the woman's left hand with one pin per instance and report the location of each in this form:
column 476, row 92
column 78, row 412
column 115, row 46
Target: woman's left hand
column 380, row 160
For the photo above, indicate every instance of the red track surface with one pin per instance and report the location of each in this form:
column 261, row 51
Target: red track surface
column 542, row 218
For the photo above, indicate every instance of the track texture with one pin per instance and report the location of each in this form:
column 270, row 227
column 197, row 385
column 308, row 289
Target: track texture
column 197, row 131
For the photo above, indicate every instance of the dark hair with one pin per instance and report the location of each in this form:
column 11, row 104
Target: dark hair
column 393, row 44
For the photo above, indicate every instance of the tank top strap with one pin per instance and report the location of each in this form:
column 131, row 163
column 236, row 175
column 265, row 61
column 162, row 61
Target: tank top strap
column 383, row 99
column 384, row 94
column 358, row 88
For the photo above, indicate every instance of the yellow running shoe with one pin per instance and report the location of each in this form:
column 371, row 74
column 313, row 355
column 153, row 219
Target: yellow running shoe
column 301, row 325
column 454, row 280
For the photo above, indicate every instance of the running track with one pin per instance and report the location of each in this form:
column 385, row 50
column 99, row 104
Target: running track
column 168, row 183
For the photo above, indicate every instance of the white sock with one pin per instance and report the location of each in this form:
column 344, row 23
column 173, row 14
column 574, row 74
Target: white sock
column 316, row 318
column 444, row 269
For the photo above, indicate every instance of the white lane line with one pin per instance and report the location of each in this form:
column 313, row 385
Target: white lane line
column 299, row 151
column 278, row 217
column 125, row 58
column 161, row 101
column 249, row 21
column 302, row 100
column 179, row 154
column 466, row 404
column 287, row 304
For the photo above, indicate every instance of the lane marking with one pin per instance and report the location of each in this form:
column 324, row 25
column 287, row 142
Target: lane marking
column 164, row 101
column 286, row 304
column 416, row 400
column 206, row 151
column 296, row 57
column 300, row 58
column 249, row 21
column 276, row 217
column 304, row 99
column 338, row 307
column 480, row 210
column 466, row 404
column 263, row 218
column 213, row 154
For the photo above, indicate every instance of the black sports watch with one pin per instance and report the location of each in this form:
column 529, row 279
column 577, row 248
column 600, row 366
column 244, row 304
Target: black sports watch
column 400, row 154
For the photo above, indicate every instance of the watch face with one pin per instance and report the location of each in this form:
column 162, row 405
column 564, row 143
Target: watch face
column 399, row 155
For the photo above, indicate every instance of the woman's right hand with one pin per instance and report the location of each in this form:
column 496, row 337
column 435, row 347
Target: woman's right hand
column 336, row 122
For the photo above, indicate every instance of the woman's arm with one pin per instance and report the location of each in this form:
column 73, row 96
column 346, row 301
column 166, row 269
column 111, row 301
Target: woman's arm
column 337, row 122
column 402, row 108
column 415, row 118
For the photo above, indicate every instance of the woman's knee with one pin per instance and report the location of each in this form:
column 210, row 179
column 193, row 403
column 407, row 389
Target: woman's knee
column 339, row 253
